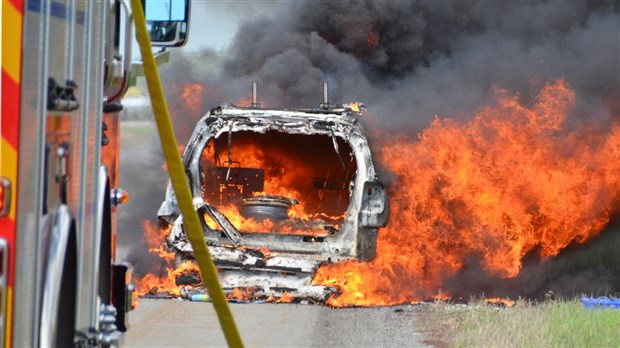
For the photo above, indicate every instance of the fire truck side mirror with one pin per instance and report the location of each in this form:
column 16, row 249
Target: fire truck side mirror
column 167, row 21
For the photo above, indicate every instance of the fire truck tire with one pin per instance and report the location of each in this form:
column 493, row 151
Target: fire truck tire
column 58, row 312
column 68, row 295
column 105, row 249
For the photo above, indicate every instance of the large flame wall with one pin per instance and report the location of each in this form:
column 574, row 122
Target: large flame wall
column 508, row 182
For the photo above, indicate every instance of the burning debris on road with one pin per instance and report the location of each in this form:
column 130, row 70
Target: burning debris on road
column 494, row 127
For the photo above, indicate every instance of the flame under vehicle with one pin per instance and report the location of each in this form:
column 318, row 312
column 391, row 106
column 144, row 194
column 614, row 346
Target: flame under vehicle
column 65, row 69
column 280, row 192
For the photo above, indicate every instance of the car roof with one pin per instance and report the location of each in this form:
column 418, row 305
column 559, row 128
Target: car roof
column 340, row 113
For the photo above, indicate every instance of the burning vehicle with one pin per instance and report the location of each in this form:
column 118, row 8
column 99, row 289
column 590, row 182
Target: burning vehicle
column 280, row 192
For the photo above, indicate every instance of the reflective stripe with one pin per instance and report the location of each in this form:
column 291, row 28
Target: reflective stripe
column 11, row 41
column 9, row 314
column 10, row 109
column 11, row 33
column 11, row 71
column 8, row 169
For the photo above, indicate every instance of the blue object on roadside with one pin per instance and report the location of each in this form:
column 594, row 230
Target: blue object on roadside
column 601, row 302
column 200, row 298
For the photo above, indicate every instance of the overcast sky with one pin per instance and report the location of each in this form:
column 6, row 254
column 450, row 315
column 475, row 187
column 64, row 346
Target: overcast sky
column 213, row 23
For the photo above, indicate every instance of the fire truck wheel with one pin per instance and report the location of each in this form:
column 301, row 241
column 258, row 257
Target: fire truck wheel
column 105, row 252
column 68, row 295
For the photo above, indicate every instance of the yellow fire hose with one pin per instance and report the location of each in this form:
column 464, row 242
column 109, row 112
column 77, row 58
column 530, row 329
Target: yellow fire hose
column 180, row 185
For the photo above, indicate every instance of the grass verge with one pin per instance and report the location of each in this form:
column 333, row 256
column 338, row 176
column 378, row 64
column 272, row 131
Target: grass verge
column 553, row 323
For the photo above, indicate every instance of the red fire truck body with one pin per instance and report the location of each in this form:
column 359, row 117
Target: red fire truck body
column 65, row 67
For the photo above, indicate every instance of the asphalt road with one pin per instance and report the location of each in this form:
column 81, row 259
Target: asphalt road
column 180, row 323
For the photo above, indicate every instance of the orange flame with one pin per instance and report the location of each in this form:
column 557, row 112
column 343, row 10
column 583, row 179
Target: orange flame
column 241, row 294
column 356, row 107
column 192, row 97
column 508, row 182
column 155, row 237
column 246, row 102
column 285, row 298
column 500, row 301
column 250, row 225
column 283, row 175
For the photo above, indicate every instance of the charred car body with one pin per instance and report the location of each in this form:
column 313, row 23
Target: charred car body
column 281, row 191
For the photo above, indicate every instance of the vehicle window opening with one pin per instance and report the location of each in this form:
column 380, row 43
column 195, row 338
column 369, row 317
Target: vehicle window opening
column 279, row 183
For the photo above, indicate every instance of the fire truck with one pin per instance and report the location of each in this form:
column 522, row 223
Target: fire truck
column 65, row 68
